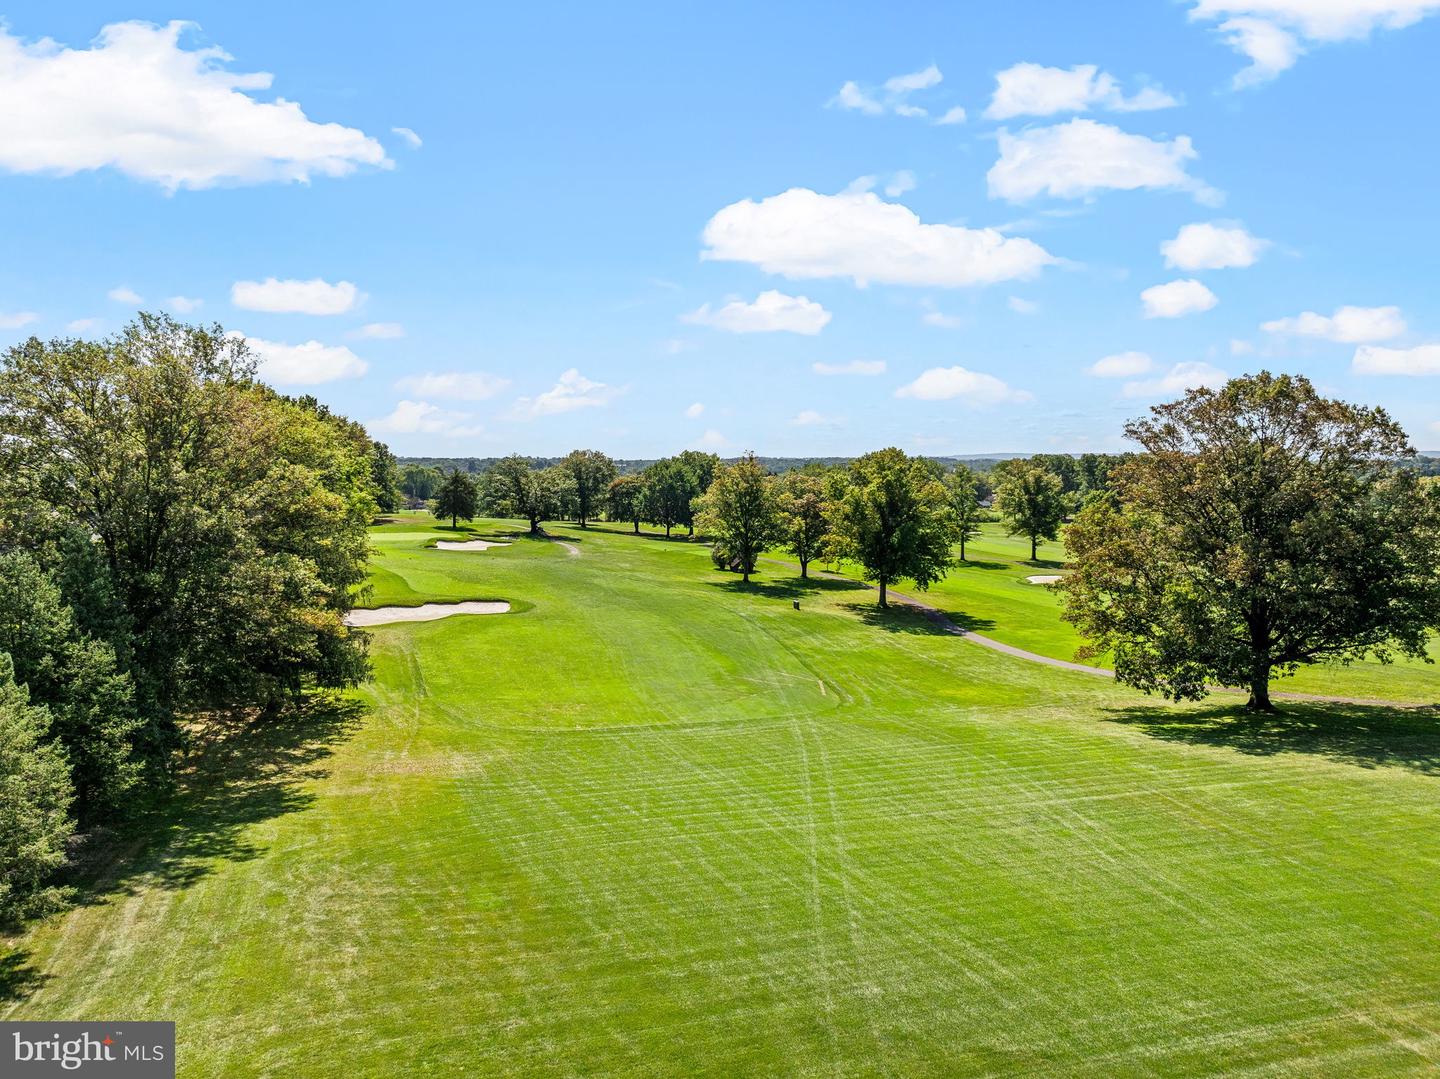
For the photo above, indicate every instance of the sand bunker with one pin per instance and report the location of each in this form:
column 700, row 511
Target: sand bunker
column 426, row 612
column 1043, row 578
column 467, row 545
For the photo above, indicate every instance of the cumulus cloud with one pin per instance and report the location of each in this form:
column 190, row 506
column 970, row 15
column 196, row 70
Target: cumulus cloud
column 1214, row 245
column 942, row 320
column 1374, row 360
column 1121, row 365
column 124, row 294
column 1272, row 34
column 808, row 417
column 183, row 304
column 138, row 101
column 974, row 388
column 1079, row 158
column 423, row 418
column 901, row 182
column 453, row 385
column 953, row 115
column 571, row 392
column 1349, row 325
column 803, row 234
column 411, row 139
column 383, row 330
column 711, row 440
column 854, row 367
column 1177, row 298
column 308, row 364
column 695, row 411
column 893, row 96
column 1181, row 377
column 1022, row 306
column 771, row 312
column 313, row 297
column 80, row 325
column 1036, row 90
column 15, row 319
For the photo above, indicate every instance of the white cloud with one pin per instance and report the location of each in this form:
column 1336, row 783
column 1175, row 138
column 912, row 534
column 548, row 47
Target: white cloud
column 423, row 418
column 675, row 345
column 803, row 234
column 1374, row 360
column 1121, row 365
column 309, row 364
column 972, row 387
column 808, row 417
column 1270, row 32
column 453, row 385
column 1181, row 377
column 1078, row 158
column 1177, row 298
column 122, row 294
column 183, row 304
column 695, row 411
column 892, row 96
column 383, row 330
column 1239, row 347
column 411, row 139
column 901, row 182
column 1349, row 325
column 17, row 319
column 710, row 440
column 953, row 115
column 854, row 367
column 1214, row 245
column 772, row 312
column 942, row 320
column 1036, row 90
column 573, row 391
column 80, row 325
column 1022, row 306
column 313, row 297
column 136, row 101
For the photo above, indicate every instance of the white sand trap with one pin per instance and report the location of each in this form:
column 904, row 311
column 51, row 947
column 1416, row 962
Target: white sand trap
column 1043, row 578
column 467, row 545
column 426, row 612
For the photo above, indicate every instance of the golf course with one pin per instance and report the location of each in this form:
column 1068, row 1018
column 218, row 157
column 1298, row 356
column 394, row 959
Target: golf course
column 652, row 820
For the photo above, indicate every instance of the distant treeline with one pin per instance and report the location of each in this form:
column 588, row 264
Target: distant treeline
column 627, row 466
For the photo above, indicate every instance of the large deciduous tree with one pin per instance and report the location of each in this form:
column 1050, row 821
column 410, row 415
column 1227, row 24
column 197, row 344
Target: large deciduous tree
column 1031, row 500
column 514, row 488
column 1264, row 527
column 670, row 489
column 964, row 503
column 741, row 512
column 895, row 520
column 591, row 473
column 805, row 516
column 625, row 500
column 456, row 499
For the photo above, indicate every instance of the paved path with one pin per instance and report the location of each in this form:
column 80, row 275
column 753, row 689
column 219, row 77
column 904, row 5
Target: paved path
column 943, row 622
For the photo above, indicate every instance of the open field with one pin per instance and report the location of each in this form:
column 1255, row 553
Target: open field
column 654, row 822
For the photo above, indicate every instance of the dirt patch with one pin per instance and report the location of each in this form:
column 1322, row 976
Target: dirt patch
column 426, row 612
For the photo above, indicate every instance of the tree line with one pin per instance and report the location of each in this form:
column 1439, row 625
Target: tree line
column 176, row 539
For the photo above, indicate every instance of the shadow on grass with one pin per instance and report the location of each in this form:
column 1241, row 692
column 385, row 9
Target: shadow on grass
column 1042, row 563
column 1368, row 736
column 975, row 563
column 18, row 979
column 679, row 535
column 784, row 587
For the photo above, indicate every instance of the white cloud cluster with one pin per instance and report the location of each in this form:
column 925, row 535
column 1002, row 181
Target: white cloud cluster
column 308, row 364
column 16, row 319
column 771, row 312
column 854, row 367
column 139, row 102
column 695, row 411
column 183, row 304
column 1036, row 90
column 808, row 417
column 571, row 391
column 1374, row 360
column 803, row 234
column 380, row 330
column 1273, row 34
column 1348, row 325
column 1121, row 365
column 453, row 385
column 974, row 388
column 1081, row 157
column 423, row 418
column 1177, row 298
column 313, row 297
column 893, row 96
column 1181, row 377
column 1213, row 245
column 124, row 294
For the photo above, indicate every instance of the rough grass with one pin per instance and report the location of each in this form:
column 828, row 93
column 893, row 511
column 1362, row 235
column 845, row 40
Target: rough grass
column 658, row 823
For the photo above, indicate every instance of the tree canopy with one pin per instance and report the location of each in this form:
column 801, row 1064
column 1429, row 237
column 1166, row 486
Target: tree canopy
column 741, row 512
column 456, row 499
column 1031, row 499
column 805, row 516
column 1264, row 527
column 590, row 472
column 964, row 504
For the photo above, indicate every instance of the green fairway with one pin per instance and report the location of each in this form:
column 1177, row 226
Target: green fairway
column 655, row 822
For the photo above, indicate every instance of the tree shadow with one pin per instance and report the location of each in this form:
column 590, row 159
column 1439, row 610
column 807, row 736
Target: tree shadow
column 1367, row 736
column 969, row 622
column 18, row 979
column 975, row 563
column 785, row 587
column 901, row 618
column 1043, row 563
column 239, row 770
column 679, row 535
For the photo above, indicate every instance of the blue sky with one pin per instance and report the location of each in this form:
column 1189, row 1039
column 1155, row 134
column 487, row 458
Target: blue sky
column 642, row 227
